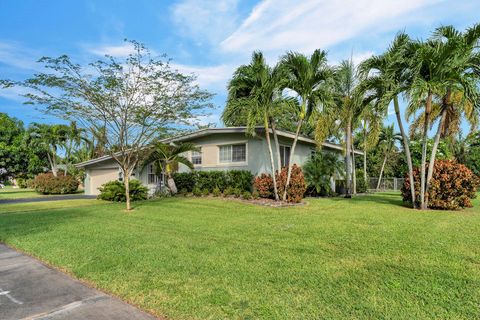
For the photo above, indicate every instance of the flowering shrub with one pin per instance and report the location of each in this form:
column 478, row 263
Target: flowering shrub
column 47, row 183
column 452, row 187
column 297, row 187
column 263, row 184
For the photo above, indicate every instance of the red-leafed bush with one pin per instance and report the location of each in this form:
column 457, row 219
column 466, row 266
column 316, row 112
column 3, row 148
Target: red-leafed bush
column 264, row 185
column 297, row 187
column 47, row 183
column 452, row 187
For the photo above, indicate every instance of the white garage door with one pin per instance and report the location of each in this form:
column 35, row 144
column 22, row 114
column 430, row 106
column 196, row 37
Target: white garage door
column 101, row 176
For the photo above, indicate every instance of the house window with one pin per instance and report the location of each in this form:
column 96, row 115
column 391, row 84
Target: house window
column 120, row 175
column 285, row 155
column 197, row 157
column 233, row 153
column 152, row 177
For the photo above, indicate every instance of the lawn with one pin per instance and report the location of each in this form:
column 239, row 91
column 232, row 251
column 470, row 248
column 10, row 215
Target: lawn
column 10, row 193
column 186, row 258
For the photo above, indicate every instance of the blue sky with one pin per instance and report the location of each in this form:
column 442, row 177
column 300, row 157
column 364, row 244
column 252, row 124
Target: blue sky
column 208, row 38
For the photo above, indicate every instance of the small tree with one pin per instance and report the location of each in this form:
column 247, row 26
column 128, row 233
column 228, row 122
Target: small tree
column 128, row 101
column 166, row 158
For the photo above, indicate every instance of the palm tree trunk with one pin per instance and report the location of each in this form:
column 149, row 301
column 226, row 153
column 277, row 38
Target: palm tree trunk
column 126, row 182
column 365, row 152
column 53, row 164
column 381, row 172
column 348, row 160
column 274, row 178
column 171, row 184
column 354, row 170
column 431, row 163
column 292, row 152
column 277, row 145
column 426, row 125
column 406, row 147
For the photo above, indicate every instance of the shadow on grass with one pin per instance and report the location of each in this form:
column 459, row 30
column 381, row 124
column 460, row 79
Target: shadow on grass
column 390, row 198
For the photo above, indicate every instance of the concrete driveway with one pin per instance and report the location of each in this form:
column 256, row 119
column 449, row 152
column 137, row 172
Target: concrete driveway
column 31, row 290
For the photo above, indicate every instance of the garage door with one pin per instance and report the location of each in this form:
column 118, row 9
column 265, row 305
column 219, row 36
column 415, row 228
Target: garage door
column 101, row 176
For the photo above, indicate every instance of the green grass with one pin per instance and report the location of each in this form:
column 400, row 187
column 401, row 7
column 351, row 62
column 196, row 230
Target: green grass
column 185, row 258
column 10, row 193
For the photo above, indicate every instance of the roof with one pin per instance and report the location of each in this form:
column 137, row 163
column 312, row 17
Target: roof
column 210, row 131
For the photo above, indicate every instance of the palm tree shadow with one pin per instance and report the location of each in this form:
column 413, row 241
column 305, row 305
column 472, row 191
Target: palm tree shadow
column 390, row 198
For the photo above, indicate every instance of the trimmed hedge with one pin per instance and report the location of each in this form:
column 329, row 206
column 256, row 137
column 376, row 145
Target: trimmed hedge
column 115, row 191
column 452, row 187
column 210, row 180
column 47, row 183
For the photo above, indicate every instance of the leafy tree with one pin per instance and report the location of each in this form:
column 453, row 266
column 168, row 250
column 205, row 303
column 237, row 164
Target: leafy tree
column 166, row 158
column 310, row 78
column 127, row 102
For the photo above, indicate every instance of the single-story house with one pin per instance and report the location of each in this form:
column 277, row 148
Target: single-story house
column 220, row 149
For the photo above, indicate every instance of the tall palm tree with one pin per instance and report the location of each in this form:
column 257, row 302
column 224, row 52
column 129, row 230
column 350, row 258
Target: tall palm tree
column 256, row 87
column 444, row 64
column 384, row 78
column 371, row 126
column 51, row 138
column 310, row 78
column 344, row 114
column 387, row 141
column 167, row 157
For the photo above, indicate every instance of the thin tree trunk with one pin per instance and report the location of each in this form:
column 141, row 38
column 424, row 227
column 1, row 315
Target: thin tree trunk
column 292, row 152
column 381, row 172
column 277, row 145
column 171, row 184
column 126, row 181
column 431, row 163
column 406, row 147
column 426, row 126
column 347, row 160
column 365, row 152
column 354, row 170
column 53, row 164
column 267, row 136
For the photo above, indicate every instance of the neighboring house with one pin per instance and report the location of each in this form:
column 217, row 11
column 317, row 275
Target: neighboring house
column 220, row 149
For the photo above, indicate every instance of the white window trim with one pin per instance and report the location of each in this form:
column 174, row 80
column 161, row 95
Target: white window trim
column 232, row 163
column 287, row 146
column 201, row 157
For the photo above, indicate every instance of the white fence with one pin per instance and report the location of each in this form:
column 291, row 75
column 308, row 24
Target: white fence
column 386, row 184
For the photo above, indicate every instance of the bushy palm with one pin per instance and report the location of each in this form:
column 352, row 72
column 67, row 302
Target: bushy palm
column 167, row 157
column 320, row 169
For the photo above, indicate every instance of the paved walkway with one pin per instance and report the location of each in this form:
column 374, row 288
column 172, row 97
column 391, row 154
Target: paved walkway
column 31, row 290
column 47, row 198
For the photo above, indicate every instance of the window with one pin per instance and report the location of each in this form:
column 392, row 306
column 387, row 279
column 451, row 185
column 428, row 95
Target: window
column 285, row 155
column 152, row 177
column 197, row 157
column 233, row 153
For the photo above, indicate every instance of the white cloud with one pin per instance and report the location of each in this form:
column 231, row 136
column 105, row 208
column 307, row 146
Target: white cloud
column 114, row 51
column 280, row 25
column 208, row 77
column 15, row 55
column 205, row 20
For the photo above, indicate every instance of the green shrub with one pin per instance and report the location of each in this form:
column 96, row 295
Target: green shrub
column 318, row 171
column 185, row 180
column 47, row 183
column 246, row 195
column 216, row 192
column 452, row 187
column 30, row 183
column 210, row 180
column 255, row 195
column 115, row 191
column 240, row 179
column 228, row 191
column 205, row 192
column 21, row 183
column 183, row 192
column 237, row 192
column 197, row 192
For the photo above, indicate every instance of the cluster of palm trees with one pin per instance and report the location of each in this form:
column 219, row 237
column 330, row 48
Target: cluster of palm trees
column 74, row 144
column 438, row 78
